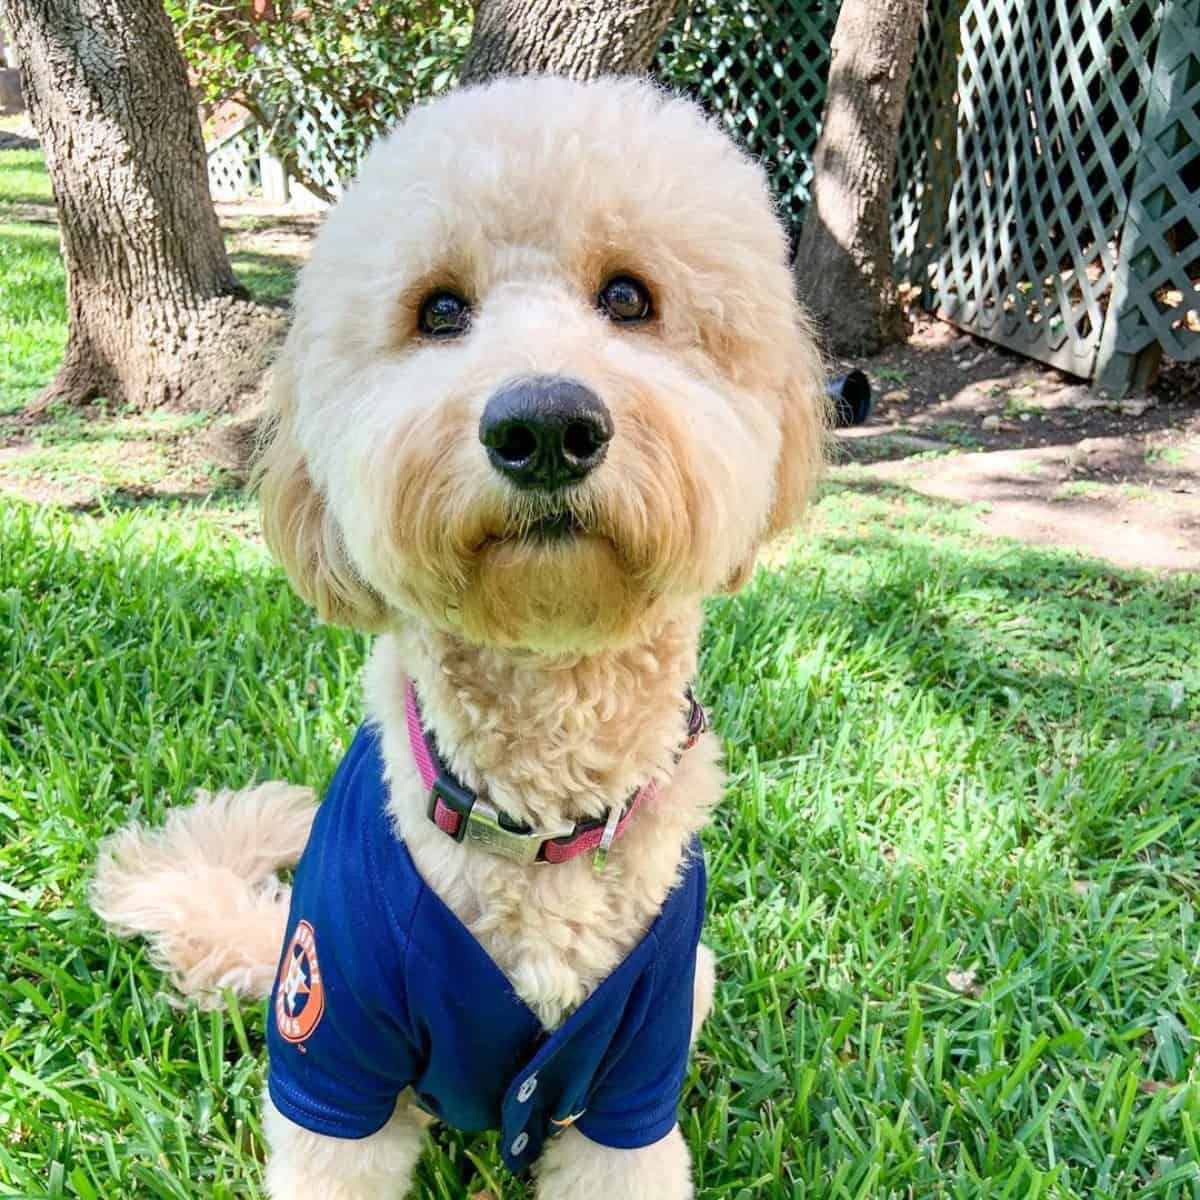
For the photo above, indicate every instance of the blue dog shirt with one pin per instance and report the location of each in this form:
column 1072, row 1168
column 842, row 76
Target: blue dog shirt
column 381, row 987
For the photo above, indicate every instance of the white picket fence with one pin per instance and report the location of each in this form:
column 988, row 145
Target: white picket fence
column 242, row 167
column 235, row 165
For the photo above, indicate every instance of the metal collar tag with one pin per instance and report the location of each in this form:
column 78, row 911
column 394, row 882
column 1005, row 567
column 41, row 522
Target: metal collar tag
column 606, row 839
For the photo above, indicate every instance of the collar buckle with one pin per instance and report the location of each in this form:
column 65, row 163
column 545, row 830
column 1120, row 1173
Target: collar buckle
column 449, row 793
column 481, row 823
column 485, row 827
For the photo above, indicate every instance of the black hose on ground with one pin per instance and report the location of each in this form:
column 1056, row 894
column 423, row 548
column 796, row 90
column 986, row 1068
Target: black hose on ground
column 851, row 399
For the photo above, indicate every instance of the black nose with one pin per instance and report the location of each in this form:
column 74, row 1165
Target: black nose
column 545, row 431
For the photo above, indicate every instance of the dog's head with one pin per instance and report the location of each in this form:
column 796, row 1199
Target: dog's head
column 547, row 378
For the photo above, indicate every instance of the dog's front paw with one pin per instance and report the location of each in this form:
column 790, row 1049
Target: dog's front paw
column 574, row 1168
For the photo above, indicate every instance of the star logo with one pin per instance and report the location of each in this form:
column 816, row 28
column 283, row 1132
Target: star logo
column 299, row 993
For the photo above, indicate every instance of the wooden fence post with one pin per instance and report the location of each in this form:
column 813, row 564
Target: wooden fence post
column 274, row 176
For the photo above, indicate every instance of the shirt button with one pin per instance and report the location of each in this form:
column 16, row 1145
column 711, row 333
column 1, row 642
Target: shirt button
column 519, row 1144
column 527, row 1089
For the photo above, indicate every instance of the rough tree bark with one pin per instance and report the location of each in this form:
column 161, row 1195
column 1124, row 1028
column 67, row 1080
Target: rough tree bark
column 844, row 267
column 577, row 38
column 156, row 315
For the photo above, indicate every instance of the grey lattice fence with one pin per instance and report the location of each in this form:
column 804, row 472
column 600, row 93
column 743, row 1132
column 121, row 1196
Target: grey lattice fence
column 1048, row 191
column 1031, row 241
column 319, row 145
column 235, row 163
column 1155, row 306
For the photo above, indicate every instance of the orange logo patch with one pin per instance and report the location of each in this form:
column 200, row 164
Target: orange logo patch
column 300, row 994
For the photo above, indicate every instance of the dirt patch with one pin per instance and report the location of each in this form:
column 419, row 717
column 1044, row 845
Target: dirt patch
column 16, row 141
column 1060, row 496
column 961, row 390
column 1055, row 464
column 260, row 228
column 89, row 458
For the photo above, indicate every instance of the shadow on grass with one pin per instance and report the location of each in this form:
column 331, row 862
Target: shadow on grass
column 974, row 624
column 28, row 199
column 66, row 427
column 92, row 460
column 182, row 625
column 226, row 493
column 270, row 277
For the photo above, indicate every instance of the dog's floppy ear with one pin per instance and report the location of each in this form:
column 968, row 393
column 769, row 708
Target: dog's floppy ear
column 804, row 424
column 297, row 524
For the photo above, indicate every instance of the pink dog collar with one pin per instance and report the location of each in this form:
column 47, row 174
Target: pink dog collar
column 459, row 813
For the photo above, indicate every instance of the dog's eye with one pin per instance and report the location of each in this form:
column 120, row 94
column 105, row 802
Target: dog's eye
column 444, row 314
column 623, row 298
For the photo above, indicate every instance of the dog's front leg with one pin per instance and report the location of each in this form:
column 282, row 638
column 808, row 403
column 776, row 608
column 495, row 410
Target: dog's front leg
column 379, row 1167
column 573, row 1168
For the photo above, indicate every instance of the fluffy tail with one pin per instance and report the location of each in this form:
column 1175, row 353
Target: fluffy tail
column 203, row 890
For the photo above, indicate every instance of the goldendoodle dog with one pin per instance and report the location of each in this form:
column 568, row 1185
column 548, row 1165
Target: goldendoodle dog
column 547, row 387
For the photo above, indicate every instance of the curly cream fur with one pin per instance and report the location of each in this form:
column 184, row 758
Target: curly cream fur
column 552, row 674
column 525, row 197
column 370, row 1168
column 603, row 723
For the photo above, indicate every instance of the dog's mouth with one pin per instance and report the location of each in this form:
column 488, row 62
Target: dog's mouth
column 544, row 529
column 554, row 527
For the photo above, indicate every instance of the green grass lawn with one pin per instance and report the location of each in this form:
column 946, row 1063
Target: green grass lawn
column 33, row 327
column 954, row 883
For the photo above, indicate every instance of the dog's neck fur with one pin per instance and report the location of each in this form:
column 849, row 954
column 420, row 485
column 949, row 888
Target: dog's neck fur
column 556, row 739
column 547, row 741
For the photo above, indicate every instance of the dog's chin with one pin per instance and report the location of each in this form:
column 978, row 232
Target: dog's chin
column 552, row 586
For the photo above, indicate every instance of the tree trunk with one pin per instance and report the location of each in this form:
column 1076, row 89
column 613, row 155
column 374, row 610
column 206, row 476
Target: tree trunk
column 156, row 315
column 844, row 268
column 577, row 38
